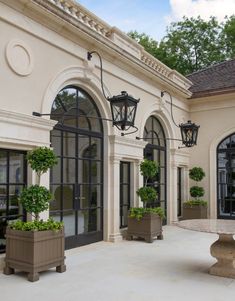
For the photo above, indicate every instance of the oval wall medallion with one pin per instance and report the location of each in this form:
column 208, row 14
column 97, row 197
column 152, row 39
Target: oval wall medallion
column 19, row 57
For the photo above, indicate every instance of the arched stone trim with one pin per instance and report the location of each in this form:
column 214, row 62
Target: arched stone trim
column 84, row 78
column 212, row 169
column 163, row 115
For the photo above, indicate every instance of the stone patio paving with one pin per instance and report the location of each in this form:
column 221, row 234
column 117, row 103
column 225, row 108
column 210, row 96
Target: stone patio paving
column 172, row 269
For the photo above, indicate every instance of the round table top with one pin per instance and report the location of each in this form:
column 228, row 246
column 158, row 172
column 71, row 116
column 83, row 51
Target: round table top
column 219, row 226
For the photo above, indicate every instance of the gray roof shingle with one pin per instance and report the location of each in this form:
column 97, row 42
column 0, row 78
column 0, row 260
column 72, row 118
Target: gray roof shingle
column 216, row 79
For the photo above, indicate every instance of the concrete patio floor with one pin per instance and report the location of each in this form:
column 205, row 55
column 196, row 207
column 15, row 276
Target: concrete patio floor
column 175, row 268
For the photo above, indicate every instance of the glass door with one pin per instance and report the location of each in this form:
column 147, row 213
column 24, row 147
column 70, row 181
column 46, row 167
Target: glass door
column 77, row 180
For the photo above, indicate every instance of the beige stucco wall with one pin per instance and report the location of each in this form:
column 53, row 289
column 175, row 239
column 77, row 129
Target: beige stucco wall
column 215, row 114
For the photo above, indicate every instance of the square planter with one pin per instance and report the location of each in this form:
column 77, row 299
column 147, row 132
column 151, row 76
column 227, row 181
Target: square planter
column 34, row 251
column 194, row 212
column 149, row 227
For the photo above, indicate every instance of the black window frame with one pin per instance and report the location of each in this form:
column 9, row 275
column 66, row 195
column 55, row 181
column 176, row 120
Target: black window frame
column 128, row 185
column 4, row 219
column 226, row 203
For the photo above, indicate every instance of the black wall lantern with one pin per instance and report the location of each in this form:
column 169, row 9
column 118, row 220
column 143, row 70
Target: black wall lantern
column 123, row 106
column 189, row 130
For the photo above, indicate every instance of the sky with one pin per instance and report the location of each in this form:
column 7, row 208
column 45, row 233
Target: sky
column 153, row 16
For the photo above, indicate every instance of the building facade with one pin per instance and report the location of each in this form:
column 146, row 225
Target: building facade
column 44, row 69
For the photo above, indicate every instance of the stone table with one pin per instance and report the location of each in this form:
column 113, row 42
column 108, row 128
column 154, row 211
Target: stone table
column 223, row 249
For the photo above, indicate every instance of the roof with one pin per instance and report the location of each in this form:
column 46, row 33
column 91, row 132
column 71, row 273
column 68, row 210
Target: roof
column 216, row 79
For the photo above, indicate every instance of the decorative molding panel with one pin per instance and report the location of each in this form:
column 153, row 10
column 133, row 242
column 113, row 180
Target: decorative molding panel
column 19, row 57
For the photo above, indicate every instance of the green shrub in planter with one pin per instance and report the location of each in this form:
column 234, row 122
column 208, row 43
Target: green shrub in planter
column 197, row 192
column 192, row 203
column 148, row 169
column 147, row 194
column 138, row 213
column 196, row 174
column 195, row 208
column 37, row 245
column 35, row 198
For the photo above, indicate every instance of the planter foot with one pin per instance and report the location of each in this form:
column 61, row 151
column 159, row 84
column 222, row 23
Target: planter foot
column 160, row 237
column 8, row 271
column 61, row 268
column 129, row 237
column 33, row 277
column 149, row 239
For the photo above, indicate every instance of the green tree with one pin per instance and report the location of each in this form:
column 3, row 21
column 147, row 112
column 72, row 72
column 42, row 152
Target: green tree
column 192, row 44
column 149, row 44
column 229, row 36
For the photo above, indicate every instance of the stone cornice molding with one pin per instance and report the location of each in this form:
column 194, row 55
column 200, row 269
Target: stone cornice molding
column 112, row 38
column 26, row 120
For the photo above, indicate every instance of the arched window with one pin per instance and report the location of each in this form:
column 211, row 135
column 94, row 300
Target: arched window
column 226, row 178
column 77, row 179
column 156, row 150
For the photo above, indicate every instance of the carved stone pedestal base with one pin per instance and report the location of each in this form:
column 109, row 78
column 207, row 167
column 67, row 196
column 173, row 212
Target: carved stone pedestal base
column 224, row 251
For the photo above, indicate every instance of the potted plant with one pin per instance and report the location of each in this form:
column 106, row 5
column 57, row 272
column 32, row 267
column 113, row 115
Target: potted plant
column 146, row 222
column 195, row 208
column 36, row 245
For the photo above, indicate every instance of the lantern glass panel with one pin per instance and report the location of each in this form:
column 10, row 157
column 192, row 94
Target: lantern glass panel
column 118, row 110
column 131, row 113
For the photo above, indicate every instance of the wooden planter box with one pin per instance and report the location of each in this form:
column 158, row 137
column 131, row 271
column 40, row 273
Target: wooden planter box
column 194, row 212
column 149, row 227
column 34, row 252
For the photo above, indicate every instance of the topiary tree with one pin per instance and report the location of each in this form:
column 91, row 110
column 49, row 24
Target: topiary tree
column 35, row 199
column 197, row 174
column 148, row 170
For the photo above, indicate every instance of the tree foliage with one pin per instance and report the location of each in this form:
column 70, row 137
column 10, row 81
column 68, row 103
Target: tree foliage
column 229, row 36
column 36, row 198
column 192, row 44
column 149, row 170
column 41, row 159
column 196, row 174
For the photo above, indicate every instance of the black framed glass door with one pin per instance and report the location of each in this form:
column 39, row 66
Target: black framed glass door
column 13, row 178
column 226, row 178
column 77, row 180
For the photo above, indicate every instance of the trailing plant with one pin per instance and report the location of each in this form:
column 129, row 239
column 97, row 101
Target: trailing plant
column 36, row 225
column 192, row 203
column 138, row 213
